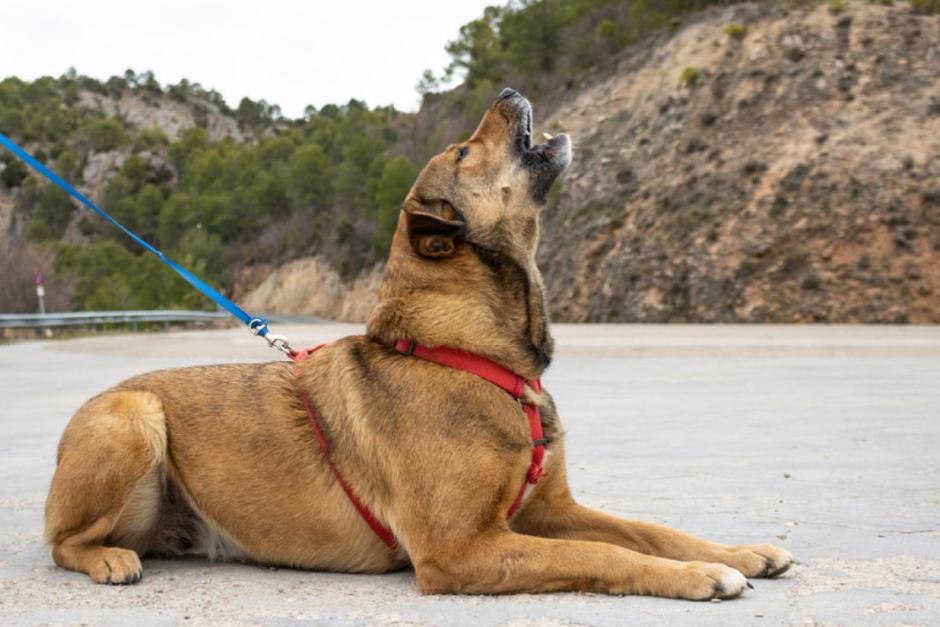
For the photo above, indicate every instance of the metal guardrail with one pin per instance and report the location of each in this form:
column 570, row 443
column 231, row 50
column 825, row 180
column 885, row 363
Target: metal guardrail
column 78, row 318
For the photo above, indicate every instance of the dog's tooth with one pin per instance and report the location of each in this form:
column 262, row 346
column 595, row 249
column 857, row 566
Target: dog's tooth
column 547, row 135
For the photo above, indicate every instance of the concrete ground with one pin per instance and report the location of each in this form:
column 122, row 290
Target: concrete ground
column 825, row 440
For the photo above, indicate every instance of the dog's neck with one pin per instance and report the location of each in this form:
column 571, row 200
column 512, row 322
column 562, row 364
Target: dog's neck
column 479, row 301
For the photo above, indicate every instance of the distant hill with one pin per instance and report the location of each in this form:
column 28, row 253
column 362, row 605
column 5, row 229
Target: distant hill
column 771, row 161
column 222, row 190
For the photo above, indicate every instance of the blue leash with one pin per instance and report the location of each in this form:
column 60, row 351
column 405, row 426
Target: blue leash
column 257, row 326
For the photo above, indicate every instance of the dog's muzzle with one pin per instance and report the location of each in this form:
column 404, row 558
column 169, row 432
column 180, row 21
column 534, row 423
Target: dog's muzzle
column 545, row 161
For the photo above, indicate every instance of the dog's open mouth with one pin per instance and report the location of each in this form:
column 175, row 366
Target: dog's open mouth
column 555, row 145
column 546, row 160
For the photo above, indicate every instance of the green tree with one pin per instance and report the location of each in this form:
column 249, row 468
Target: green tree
column 532, row 35
column 478, row 49
column 193, row 140
column 398, row 175
column 13, row 173
column 310, row 177
column 147, row 205
column 150, row 139
column 68, row 165
column 428, row 83
column 105, row 134
column 353, row 173
column 53, row 214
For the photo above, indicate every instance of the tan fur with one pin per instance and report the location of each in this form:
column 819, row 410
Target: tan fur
column 220, row 460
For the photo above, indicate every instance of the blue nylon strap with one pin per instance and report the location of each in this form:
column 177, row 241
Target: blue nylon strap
column 258, row 326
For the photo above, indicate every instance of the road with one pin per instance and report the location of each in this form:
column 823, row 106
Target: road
column 823, row 439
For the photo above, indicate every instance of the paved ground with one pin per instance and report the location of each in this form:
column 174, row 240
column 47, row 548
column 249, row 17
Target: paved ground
column 823, row 439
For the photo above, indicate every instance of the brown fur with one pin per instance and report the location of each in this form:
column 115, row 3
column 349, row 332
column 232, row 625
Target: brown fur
column 220, row 460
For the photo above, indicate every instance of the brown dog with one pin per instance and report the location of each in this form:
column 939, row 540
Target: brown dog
column 221, row 461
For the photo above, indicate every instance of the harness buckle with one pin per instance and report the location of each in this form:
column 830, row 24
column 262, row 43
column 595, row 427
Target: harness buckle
column 259, row 326
column 535, row 473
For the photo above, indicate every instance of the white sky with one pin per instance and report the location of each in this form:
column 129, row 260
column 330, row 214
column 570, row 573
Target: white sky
column 289, row 53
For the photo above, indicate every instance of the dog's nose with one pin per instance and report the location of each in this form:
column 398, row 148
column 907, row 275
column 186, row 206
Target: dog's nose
column 508, row 92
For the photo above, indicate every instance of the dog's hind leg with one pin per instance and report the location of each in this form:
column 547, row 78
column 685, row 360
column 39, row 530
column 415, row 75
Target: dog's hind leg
column 107, row 489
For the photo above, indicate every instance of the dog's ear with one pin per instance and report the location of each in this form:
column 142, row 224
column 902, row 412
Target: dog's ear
column 435, row 227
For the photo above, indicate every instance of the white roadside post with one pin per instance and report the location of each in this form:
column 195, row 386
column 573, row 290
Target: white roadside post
column 41, row 295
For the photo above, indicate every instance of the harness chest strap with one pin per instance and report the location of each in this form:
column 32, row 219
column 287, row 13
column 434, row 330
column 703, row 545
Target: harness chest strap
column 499, row 376
column 383, row 532
column 459, row 360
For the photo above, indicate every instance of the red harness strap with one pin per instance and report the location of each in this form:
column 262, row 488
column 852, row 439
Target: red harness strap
column 452, row 358
column 502, row 377
column 383, row 532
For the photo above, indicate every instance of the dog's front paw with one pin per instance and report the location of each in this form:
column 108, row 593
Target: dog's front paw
column 704, row 581
column 759, row 560
column 115, row 566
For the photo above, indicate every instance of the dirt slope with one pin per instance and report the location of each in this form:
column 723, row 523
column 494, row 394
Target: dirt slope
column 792, row 174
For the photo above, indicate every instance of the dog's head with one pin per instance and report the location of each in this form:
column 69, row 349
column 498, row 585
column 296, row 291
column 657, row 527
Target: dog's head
column 486, row 191
column 462, row 267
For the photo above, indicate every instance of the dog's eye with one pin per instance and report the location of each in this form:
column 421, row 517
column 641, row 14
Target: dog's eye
column 462, row 152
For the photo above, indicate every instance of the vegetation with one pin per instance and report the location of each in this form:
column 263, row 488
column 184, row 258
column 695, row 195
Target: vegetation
column 540, row 47
column 689, row 77
column 531, row 42
column 206, row 203
column 736, row 31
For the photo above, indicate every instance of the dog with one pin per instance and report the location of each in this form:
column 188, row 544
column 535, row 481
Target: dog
column 409, row 461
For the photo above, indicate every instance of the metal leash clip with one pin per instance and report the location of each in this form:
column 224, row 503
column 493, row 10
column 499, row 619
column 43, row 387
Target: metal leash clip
column 259, row 326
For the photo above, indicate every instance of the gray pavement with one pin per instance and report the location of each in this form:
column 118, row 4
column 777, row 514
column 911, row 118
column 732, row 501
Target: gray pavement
column 822, row 439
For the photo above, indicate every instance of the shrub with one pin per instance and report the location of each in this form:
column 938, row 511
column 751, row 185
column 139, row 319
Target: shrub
column 690, row 76
column 53, row 214
column 791, row 265
column 836, row 6
column 150, row 139
column 68, row 165
column 736, row 31
column 105, row 134
column 13, row 174
column 608, row 31
column 811, row 281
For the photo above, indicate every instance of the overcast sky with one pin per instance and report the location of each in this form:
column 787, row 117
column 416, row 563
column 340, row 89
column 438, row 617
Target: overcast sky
column 289, row 53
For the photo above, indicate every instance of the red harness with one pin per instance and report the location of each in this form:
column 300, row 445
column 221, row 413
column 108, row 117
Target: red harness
column 459, row 360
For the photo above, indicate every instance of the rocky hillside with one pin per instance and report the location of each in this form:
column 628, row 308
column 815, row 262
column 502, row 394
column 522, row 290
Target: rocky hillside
column 758, row 164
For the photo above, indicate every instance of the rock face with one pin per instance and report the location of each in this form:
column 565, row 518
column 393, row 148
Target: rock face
column 169, row 116
column 793, row 174
column 312, row 287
